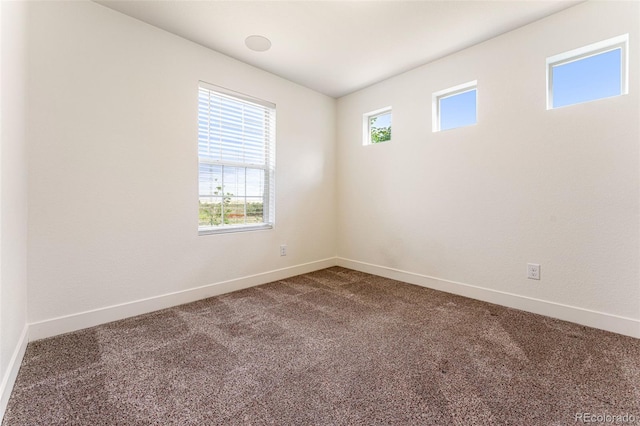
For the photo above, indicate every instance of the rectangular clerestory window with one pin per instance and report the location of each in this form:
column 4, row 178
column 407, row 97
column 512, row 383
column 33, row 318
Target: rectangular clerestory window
column 592, row 72
column 455, row 107
column 376, row 126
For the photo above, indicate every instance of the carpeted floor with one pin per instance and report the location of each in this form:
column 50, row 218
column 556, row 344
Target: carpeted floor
column 333, row 347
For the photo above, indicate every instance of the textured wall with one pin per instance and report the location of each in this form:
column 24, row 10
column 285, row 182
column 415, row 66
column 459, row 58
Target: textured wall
column 474, row 205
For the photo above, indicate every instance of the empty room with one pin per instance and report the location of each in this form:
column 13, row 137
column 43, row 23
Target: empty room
column 319, row 212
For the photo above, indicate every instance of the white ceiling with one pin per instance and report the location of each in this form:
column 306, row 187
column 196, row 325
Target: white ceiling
column 337, row 47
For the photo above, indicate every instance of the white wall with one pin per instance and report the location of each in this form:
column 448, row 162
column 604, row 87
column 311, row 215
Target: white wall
column 113, row 175
column 13, row 190
column 113, row 167
column 465, row 210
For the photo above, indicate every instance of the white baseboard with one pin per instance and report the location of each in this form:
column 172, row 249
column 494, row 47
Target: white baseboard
column 603, row 321
column 69, row 323
column 6, row 386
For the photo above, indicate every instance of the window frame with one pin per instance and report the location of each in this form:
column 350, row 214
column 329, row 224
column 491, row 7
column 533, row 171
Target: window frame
column 269, row 166
column 366, row 124
column 438, row 96
column 594, row 49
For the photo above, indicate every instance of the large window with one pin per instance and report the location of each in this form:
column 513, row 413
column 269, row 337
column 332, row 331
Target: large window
column 592, row 72
column 236, row 164
column 455, row 107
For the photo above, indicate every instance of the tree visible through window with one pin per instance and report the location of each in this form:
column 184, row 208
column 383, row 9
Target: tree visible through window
column 377, row 126
column 380, row 128
column 236, row 138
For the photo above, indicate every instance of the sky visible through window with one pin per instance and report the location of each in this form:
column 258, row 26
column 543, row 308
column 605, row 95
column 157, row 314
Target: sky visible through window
column 587, row 79
column 383, row 120
column 380, row 128
column 233, row 144
column 458, row 110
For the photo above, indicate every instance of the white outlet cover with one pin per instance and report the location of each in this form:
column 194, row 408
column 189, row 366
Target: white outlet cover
column 533, row 271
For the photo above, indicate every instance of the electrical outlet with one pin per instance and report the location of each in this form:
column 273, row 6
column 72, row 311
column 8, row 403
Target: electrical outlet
column 283, row 250
column 533, row 271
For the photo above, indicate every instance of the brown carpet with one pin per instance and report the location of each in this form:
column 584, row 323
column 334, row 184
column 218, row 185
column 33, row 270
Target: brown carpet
column 329, row 348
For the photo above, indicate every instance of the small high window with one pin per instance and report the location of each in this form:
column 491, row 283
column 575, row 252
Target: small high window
column 376, row 126
column 589, row 73
column 455, row 107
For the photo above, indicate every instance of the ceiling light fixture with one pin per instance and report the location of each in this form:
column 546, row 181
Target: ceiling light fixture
column 258, row 43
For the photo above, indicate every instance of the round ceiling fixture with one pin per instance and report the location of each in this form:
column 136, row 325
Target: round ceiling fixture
column 258, row 43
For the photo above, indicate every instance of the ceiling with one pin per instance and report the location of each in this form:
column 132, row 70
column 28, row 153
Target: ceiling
column 338, row 47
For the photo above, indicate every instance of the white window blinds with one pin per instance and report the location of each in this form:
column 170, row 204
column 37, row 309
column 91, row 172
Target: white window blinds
column 236, row 147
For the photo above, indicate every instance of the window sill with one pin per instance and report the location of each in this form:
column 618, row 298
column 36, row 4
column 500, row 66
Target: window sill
column 233, row 229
